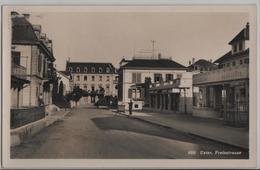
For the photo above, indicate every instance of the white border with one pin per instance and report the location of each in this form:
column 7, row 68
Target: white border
column 124, row 163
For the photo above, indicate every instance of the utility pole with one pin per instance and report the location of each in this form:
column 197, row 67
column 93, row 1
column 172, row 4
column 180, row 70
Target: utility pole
column 153, row 44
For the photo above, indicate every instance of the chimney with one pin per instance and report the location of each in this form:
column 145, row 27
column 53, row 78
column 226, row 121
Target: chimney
column 247, row 31
column 26, row 16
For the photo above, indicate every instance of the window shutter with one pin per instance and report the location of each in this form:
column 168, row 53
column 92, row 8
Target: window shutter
column 133, row 77
column 138, row 77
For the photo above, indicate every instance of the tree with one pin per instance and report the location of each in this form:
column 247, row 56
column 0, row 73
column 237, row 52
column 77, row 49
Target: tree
column 75, row 95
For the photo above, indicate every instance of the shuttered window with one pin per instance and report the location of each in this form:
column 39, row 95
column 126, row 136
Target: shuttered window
column 136, row 77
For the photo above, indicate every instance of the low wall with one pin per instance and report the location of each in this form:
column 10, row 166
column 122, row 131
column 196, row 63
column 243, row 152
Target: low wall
column 23, row 116
column 18, row 135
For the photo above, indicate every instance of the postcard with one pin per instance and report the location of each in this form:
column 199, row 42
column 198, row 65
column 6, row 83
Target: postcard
column 129, row 86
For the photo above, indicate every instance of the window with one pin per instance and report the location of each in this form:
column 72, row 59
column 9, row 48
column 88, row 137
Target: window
column 195, row 67
column 70, row 69
column 93, row 87
column 107, row 70
column 243, row 92
column 85, row 69
column 107, row 88
column 85, row 78
column 108, row 78
column 241, row 62
column 235, row 47
column 129, row 93
column 40, row 63
column 100, row 78
column 246, row 61
column 100, row 70
column 136, row 77
column 16, row 57
column 169, row 77
column 228, row 64
column 78, row 78
column 85, row 86
column 157, row 77
column 78, row 69
column 93, row 69
column 179, row 76
column 93, row 78
column 234, row 63
column 240, row 47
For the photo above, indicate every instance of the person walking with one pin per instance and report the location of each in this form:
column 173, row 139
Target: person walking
column 130, row 106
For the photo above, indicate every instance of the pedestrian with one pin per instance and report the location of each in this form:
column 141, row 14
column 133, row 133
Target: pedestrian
column 40, row 100
column 130, row 106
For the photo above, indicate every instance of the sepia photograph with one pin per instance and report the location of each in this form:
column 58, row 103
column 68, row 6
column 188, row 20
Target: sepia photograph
column 130, row 83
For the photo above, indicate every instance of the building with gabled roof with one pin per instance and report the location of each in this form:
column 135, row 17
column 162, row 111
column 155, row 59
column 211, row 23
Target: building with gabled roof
column 224, row 92
column 32, row 54
column 133, row 74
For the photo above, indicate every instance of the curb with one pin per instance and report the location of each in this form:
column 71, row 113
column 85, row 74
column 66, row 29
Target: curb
column 19, row 134
column 189, row 133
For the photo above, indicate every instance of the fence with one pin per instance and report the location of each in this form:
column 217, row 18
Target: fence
column 23, row 116
column 237, row 114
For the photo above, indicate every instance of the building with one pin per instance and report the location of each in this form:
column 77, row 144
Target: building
column 174, row 96
column 224, row 92
column 201, row 65
column 134, row 73
column 92, row 77
column 66, row 78
column 32, row 59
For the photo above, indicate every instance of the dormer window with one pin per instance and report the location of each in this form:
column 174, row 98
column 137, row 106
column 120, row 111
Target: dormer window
column 85, row 69
column 235, row 48
column 70, row 69
column 240, row 46
column 78, row 69
column 100, row 70
column 107, row 70
column 93, row 69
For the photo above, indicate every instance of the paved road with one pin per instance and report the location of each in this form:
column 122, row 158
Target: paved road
column 97, row 133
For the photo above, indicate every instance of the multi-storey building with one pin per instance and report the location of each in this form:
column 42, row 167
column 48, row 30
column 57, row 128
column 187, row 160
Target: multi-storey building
column 224, row 92
column 133, row 73
column 32, row 58
column 93, row 76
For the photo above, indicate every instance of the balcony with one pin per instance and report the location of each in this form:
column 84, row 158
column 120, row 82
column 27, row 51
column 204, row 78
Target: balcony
column 18, row 71
column 222, row 75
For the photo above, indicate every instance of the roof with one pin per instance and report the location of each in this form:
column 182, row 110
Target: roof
column 242, row 35
column 202, row 63
column 229, row 56
column 23, row 31
column 154, row 64
column 86, row 68
column 66, row 73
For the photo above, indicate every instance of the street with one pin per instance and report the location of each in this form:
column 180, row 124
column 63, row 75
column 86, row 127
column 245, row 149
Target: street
column 90, row 133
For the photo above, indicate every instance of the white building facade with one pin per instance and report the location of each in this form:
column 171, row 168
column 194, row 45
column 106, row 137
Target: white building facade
column 133, row 73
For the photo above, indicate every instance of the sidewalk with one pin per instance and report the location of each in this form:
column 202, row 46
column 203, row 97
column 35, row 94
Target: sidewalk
column 204, row 127
column 19, row 134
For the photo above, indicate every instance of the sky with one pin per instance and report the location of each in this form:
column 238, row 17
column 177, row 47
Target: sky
column 110, row 36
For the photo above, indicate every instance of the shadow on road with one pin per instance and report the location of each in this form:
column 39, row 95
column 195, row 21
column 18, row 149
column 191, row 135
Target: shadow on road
column 127, row 124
